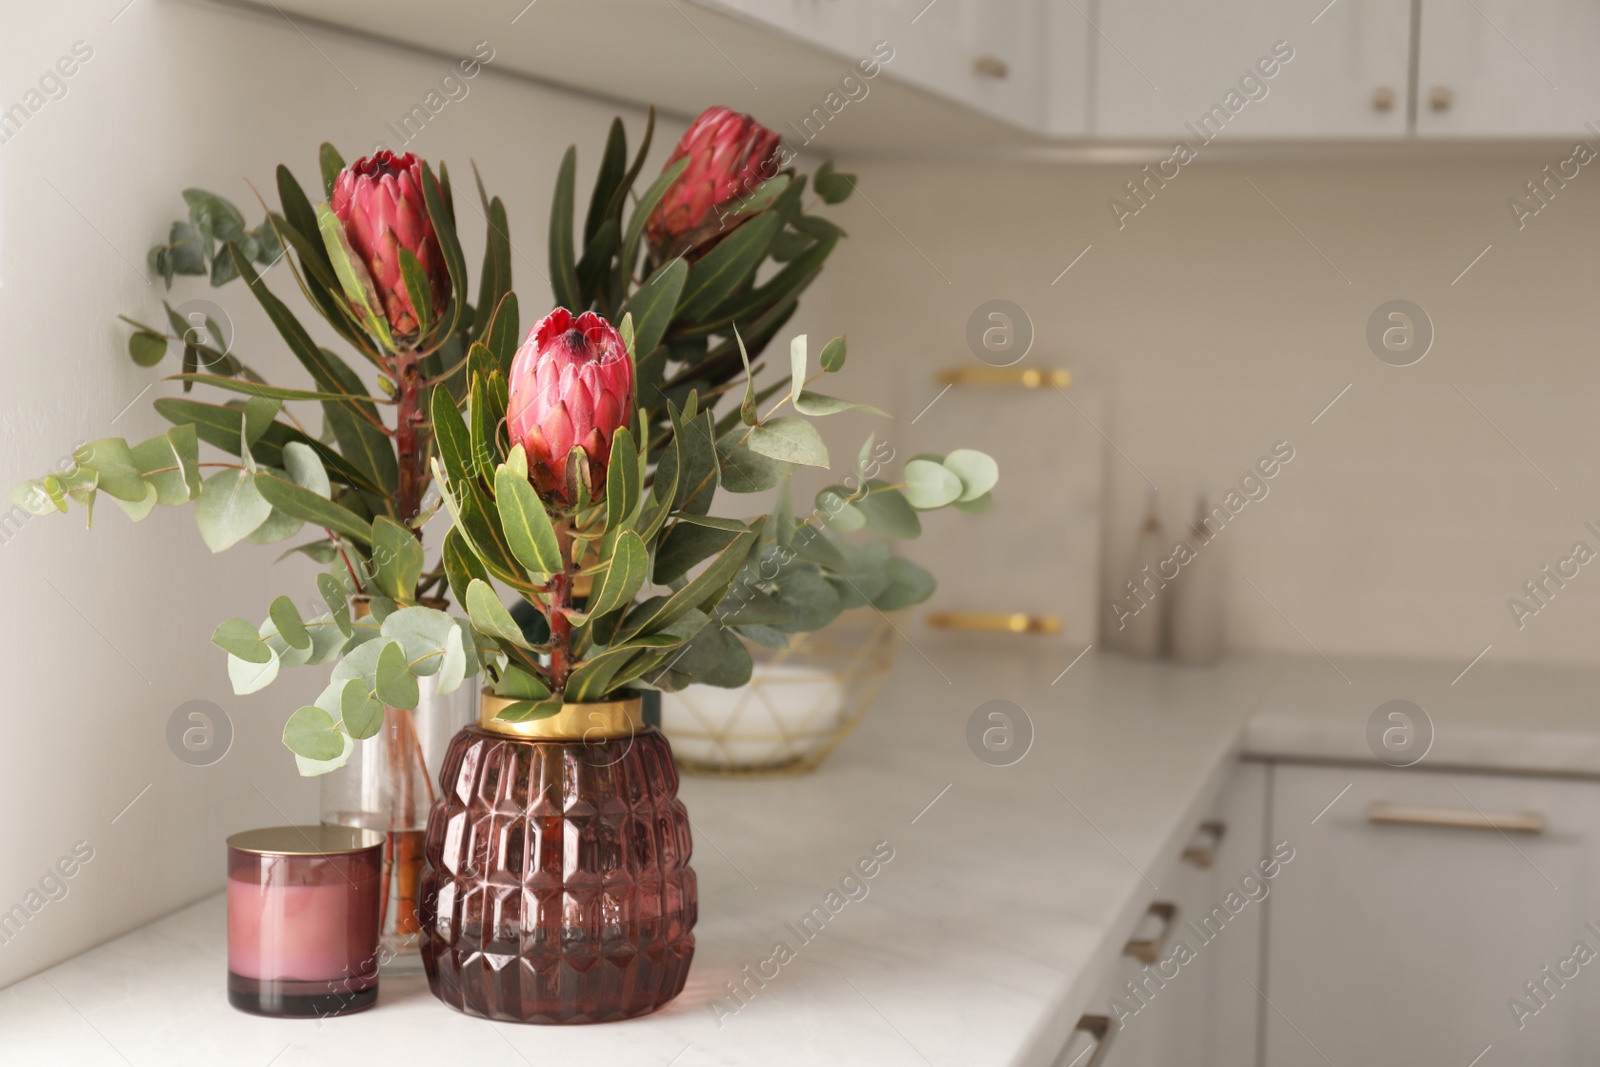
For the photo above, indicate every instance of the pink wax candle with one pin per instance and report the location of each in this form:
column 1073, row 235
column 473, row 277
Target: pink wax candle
column 304, row 910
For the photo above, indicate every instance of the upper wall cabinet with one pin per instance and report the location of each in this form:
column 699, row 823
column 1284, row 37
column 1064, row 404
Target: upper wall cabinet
column 1251, row 69
column 1508, row 68
column 966, row 75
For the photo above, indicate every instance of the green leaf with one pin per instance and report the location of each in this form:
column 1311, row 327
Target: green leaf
column 815, row 404
column 422, row 633
column 171, row 463
column 417, row 288
column 622, row 479
column 743, row 470
column 613, row 165
column 113, row 463
column 811, row 600
column 715, row 657
column 698, row 473
column 797, row 366
column 494, row 280
column 977, row 471
column 396, row 557
column 624, row 575
column 563, row 269
column 286, row 617
column 229, row 508
column 307, row 506
column 461, row 564
column 259, row 413
column 490, row 617
column 908, row 584
column 653, row 303
column 930, row 485
column 528, row 710
column 450, row 433
column 312, row 733
column 528, row 530
column 833, row 354
column 397, row 686
column 238, row 638
column 248, row 678
column 338, row 602
column 147, row 349
column 834, row 188
column 688, row 543
column 332, row 163
column 707, row 587
column 249, row 388
column 888, row 512
column 641, row 211
column 789, row 440
column 591, row 679
column 502, row 336
column 353, row 277
column 747, row 407
column 221, row 427
column 720, row 271
column 520, row 684
column 453, row 664
column 441, row 213
column 302, row 464
column 361, row 713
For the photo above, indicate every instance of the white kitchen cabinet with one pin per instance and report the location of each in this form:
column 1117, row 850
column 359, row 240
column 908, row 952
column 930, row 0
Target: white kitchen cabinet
column 1164, row 66
column 1404, row 929
column 1195, row 1006
column 989, row 55
column 1508, row 68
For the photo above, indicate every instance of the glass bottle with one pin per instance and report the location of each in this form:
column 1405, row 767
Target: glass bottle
column 389, row 785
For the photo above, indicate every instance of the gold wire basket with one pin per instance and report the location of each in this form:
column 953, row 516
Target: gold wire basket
column 801, row 702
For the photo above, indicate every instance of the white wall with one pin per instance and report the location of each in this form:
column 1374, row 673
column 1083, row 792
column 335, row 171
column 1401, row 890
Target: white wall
column 1406, row 520
column 106, row 631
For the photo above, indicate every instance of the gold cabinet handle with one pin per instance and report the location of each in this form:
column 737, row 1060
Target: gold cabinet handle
column 1400, row 815
column 1016, row 377
column 991, row 67
column 1148, row 950
column 1382, row 98
column 1098, row 1027
column 1017, row 623
column 1440, row 98
column 1202, row 851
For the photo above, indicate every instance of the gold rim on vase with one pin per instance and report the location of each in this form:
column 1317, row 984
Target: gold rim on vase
column 598, row 721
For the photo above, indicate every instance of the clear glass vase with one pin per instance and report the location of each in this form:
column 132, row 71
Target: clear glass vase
column 389, row 785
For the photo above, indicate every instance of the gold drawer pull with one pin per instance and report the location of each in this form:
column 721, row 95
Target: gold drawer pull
column 1400, row 815
column 1013, row 376
column 1202, row 851
column 1148, row 950
column 1098, row 1027
column 1017, row 623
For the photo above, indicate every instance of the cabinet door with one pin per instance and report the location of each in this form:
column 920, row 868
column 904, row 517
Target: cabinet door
column 986, row 54
column 1402, row 933
column 1199, row 1010
column 1508, row 68
column 1162, row 64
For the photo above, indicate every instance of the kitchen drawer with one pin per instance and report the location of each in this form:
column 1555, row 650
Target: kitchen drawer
column 1416, row 908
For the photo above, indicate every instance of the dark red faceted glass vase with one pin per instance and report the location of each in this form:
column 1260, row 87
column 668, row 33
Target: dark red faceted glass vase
column 556, row 885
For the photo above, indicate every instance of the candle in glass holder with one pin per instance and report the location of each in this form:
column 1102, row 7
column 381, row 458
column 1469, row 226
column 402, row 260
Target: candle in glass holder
column 304, row 909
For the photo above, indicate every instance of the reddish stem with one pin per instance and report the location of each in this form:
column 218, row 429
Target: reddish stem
column 410, row 437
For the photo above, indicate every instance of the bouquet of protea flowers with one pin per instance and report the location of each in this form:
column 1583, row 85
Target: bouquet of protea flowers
column 585, row 455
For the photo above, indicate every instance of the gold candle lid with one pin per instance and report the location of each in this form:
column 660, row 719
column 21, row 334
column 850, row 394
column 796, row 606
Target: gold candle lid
column 598, row 721
column 305, row 840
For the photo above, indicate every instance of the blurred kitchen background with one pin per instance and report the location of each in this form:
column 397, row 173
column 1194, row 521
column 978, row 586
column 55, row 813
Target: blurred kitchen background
column 1227, row 315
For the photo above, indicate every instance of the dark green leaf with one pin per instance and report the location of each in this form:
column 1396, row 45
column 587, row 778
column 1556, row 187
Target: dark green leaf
column 833, row 187
column 396, row 557
column 307, row 506
column 720, row 271
column 624, row 576
column 622, row 479
column 563, row 269
column 332, row 163
column 147, row 349
column 490, row 617
column 641, row 211
column 833, row 354
column 652, row 306
column 789, row 440
column 688, row 543
column 529, row 532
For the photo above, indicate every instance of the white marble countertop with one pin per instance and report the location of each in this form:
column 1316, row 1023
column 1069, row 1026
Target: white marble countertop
column 1010, row 890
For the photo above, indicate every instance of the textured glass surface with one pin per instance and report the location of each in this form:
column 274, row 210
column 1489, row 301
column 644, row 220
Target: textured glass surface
column 557, row 886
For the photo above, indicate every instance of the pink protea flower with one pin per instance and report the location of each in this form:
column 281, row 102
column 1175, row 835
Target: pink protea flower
column 730, row 156
column 571, row 386
column 379, row 200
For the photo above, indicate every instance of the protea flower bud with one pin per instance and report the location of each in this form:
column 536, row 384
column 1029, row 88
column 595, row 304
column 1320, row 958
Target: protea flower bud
column 730, row 155
column 571, row 386
column 379, row 200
